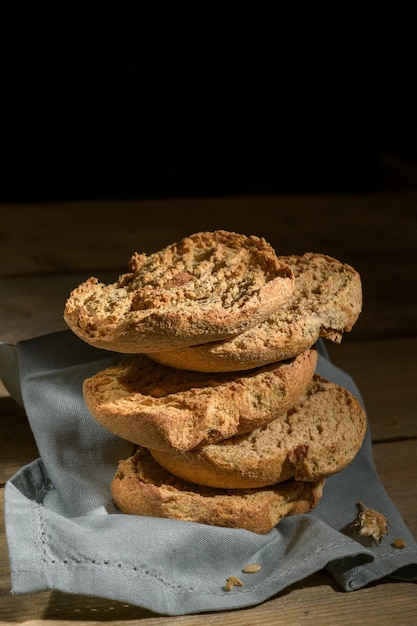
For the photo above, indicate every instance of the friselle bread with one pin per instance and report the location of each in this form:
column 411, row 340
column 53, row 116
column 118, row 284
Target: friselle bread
column 316, row 438
column 218, row 391
column 162, row 408
column 142, row 487
column 206, row 287
column 326, row 302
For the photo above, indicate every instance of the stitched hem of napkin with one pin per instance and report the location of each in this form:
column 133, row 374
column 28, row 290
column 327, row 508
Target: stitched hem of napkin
column 116, row 579
column 393, row 564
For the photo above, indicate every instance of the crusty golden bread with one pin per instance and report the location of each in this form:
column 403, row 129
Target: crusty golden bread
column 162, row 408
column 317, row 437
column 142, row 487
column 208, row 286
column 326, row 302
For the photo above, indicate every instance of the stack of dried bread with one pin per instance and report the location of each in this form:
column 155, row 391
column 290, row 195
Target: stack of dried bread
column 218, row 386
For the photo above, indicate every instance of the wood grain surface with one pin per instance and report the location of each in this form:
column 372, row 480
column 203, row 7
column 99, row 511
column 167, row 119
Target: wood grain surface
column 47, row 249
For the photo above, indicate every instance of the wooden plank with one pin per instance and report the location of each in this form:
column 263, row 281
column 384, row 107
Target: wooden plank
column 320, row 604
column 48, row 249
column 72, row 236
column 377, row 234
column 385, row 373
column 17, row 444
column 33, row 305
column 397, row 468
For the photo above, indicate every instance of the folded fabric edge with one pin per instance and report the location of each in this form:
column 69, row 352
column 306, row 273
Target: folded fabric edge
column 401, row 565
column 33, row 570
column 188, row 597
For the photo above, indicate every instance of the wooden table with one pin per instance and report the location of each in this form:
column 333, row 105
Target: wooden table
column 47, row 249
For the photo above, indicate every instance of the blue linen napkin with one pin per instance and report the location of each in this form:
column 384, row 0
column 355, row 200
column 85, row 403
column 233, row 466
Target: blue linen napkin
column 65, row 533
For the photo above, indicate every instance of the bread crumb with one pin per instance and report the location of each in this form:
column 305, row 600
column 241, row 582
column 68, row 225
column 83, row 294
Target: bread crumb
column 228, row 586
column 251, row 568
column 231, row 582
column 399, row 543
column 371, row 523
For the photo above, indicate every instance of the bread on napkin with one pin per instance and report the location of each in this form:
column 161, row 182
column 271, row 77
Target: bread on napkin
column 219, row 390
column 162, row 408
column 142, row 487
column 208, row 286
column 318, row 436
column 326, row 302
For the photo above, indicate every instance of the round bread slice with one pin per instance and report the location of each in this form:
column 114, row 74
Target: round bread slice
column 317, row 437
column 326, row 302
column 162, row 408
column 142, row 487
column 209, row 286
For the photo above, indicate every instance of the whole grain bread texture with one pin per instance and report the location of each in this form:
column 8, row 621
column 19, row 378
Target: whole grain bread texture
column 142, row 487
column 326, row 302
column 316, row 438
column 162, row 408
column 206, row 287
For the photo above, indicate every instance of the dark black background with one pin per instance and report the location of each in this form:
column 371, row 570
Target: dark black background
column 151, row 115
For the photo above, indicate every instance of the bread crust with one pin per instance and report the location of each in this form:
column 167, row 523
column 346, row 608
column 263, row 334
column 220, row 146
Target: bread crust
column 206, row 287
column 326, row 302
column 162, row 408
column 316, row 438
column 142, row 487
